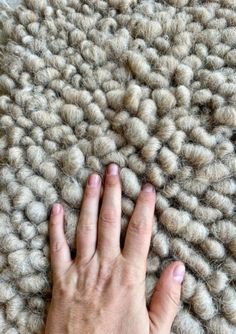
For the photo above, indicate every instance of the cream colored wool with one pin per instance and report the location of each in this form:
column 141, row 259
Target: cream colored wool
column 148, row 85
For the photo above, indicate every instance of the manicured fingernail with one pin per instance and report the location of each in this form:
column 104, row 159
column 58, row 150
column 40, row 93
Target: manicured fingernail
column 148, row 187
column 56, row 209
column 93, row 180
column 112, row 169
column 178, row 273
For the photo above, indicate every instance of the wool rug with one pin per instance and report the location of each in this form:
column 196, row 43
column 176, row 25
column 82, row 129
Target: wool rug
column 150, row 85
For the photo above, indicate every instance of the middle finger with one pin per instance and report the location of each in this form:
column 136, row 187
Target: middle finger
column 108, row 239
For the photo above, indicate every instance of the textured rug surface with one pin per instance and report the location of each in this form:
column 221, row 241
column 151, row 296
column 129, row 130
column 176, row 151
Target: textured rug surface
column 148, row 85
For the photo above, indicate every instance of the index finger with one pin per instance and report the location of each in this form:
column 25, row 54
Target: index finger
column 139, row 231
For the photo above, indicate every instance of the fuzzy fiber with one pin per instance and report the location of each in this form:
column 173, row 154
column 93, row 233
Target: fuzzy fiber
column 150, row 85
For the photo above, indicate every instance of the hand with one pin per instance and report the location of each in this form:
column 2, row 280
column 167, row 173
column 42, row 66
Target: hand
column 103, row 289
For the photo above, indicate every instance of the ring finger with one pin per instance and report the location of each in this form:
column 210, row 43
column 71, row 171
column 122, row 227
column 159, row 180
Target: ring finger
column 87, row 223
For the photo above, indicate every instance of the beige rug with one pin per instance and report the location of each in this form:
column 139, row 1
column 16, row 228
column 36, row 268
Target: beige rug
column 148, row 85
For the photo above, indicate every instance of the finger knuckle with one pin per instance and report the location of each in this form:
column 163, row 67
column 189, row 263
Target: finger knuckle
column 108, row 217
column 91, row 192
column 82, row 263
column 146, row 198
column 132, row 273
column 61, row 289
column 139, row 226
column 173, row 297
column 104, row 273
column 57, row 246
column 112, row 180
column 85, row 226
column 53, row 222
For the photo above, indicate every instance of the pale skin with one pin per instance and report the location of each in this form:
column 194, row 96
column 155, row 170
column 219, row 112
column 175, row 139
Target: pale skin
column 102, row 290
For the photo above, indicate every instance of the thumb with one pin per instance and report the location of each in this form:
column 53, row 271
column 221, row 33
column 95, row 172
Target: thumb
column 166, row 297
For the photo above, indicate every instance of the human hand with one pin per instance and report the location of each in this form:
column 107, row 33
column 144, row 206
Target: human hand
column 103, row 289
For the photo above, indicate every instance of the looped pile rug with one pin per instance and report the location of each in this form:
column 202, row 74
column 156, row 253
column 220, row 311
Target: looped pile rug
column 150, row 85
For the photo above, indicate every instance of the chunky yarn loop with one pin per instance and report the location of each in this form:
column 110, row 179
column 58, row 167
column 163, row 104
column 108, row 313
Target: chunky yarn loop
column 150, row 85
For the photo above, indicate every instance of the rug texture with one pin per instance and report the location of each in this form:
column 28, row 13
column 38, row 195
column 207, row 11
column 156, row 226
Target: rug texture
column 150, row 85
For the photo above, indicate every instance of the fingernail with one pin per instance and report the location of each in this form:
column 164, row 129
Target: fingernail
column 148, row 187
column 112, row 169
column 56, row 209
column 178, row 273
column 93, row 179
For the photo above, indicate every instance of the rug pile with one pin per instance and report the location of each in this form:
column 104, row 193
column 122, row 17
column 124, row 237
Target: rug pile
column 150, row 85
